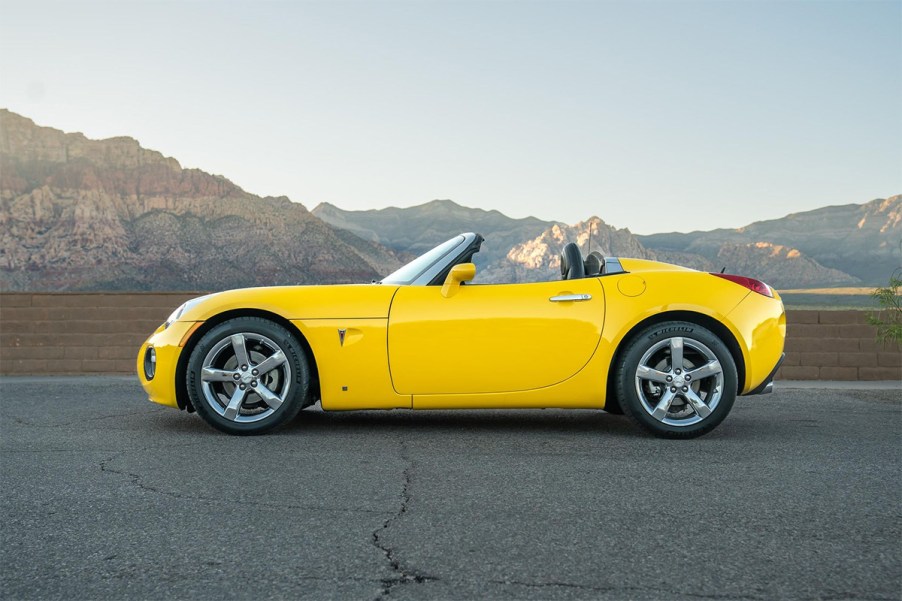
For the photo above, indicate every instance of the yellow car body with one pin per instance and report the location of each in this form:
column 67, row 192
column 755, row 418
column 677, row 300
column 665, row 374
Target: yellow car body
column 387, row 346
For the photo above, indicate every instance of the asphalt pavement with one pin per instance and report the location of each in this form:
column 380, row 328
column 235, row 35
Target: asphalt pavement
column 103, row 495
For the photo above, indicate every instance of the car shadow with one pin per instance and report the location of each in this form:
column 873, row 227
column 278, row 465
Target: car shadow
column 519, row 420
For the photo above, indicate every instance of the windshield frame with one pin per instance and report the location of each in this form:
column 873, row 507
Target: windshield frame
column 424, row 269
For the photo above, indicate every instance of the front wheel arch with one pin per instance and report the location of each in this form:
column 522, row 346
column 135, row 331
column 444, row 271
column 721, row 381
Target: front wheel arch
column 705, row 321
column 181, row 368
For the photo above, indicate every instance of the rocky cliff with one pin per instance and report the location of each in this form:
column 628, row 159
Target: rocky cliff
column 414, row 230
column 417, row 229
column 515, row 250
column 861, row 241
column 539, row 259
column 524, row 250
column 81, row 214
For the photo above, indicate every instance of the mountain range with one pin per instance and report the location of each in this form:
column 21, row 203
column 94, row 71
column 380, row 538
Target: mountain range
column 833, row 246
column 860, row 240
column 81, row 214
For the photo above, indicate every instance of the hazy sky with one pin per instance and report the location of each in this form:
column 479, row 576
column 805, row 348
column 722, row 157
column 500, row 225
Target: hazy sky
column 656, row 116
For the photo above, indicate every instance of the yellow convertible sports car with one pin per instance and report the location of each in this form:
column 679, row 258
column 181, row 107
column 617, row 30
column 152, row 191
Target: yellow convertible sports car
column 668, row 346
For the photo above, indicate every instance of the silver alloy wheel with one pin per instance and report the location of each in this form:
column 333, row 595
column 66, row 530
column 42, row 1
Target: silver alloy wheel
column 245, row 377
column 679, row 381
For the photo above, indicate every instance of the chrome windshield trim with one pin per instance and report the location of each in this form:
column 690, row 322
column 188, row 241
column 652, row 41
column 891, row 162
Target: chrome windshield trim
column 436, row 268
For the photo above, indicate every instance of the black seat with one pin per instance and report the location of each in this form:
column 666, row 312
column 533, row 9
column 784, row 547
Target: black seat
column 594, row 264
column 572, row 266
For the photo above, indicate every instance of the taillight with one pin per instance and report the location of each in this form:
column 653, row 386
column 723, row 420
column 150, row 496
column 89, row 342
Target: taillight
column 752, row 284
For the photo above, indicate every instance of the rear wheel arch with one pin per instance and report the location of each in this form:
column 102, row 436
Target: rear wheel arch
column 705, row 321
column 181, row 368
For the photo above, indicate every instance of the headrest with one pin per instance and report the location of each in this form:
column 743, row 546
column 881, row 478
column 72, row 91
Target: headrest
column 594, row 263
column 572, row 267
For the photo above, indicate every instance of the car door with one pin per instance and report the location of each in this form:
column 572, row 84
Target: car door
column 492, row 337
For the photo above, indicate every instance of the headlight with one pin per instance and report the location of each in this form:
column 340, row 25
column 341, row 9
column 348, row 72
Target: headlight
column 174, row 316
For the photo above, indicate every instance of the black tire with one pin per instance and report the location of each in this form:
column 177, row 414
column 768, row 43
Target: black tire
column 612, row 401
column 698, row 404
column 268, row 398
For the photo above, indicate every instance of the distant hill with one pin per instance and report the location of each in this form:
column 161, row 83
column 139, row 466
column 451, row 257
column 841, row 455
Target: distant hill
column 529, row 249
column 540, row 257
column 516, row 250
column 861, row 241
column 417, row 229
column 80, row 214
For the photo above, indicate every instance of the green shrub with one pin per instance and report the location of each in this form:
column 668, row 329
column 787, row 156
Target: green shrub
column 889, row 321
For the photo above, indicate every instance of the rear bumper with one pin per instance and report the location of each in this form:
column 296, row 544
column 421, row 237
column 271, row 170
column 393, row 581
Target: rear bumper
column 767, row 386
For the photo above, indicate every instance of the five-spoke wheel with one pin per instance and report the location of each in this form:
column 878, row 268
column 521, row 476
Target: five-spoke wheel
column 677, row 379
column 247, row 376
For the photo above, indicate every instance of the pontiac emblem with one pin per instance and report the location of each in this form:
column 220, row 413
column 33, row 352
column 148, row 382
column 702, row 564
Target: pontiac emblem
column 341, row 336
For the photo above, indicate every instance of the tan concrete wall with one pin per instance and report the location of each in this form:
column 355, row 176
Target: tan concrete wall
column 837, row 345
column 73, row 333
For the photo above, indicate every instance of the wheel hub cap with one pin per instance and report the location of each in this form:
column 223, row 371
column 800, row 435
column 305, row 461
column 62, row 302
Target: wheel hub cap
column 245, row 377
column 679, row 381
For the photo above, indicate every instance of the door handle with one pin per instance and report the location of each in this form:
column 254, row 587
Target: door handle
column 563, row 298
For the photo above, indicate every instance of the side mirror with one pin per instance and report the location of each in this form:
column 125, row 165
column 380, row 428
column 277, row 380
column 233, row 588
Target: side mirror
column 458, row 274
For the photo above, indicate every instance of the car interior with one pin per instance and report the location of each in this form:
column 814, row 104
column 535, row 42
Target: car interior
column 573, row 267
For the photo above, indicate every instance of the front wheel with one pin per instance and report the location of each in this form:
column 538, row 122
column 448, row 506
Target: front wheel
column 677, row 380
column 247, row 376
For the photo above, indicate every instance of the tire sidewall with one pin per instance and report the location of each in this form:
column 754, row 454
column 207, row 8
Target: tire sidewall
column 297, row 390
column 636, row 348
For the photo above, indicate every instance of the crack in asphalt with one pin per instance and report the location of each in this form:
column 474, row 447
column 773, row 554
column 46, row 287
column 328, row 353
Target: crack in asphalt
column 127, row 572
column 136, row 480
column 614, row 588
column 675, row 593
column 404, row 575
column 557, row 584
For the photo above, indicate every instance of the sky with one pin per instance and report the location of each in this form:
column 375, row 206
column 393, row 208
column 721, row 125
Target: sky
column 656, row 116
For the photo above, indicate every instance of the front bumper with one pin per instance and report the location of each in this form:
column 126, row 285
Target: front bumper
column 167, row 342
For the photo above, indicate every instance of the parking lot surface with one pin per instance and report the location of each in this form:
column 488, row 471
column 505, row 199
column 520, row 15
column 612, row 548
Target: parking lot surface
column 796, row 495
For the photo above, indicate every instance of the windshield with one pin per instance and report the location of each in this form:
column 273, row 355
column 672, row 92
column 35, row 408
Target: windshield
column 412, row 270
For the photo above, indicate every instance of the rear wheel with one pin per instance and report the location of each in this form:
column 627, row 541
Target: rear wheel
column 247, row 376
column 677, row 380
